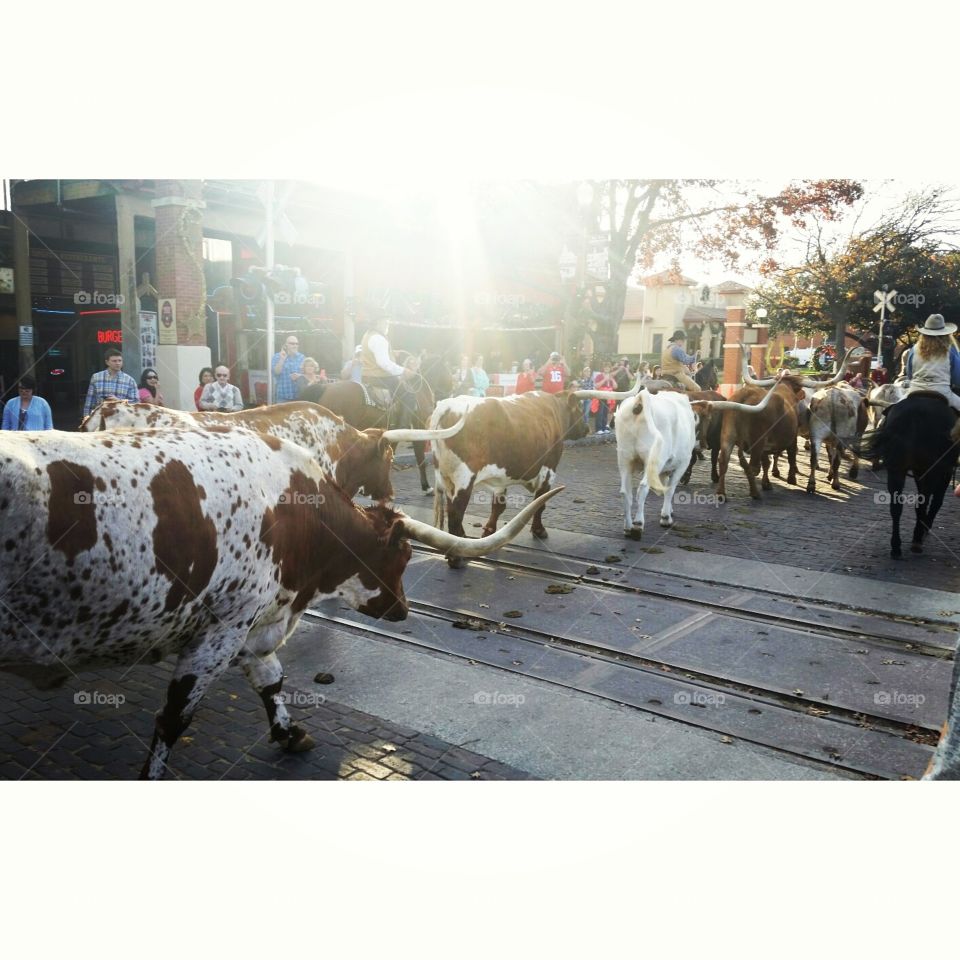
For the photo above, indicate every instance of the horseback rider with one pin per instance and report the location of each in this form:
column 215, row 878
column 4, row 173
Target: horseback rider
column 932, row 364
column 378, row 367
column 675, row 361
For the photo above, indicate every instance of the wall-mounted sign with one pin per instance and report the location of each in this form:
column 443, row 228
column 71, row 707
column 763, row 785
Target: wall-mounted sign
column 167, row 308
column 26, row 336
column 6, row 280
column 148, row 338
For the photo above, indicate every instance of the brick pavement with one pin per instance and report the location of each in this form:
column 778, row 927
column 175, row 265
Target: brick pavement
column 46, row 735
column 846, row 531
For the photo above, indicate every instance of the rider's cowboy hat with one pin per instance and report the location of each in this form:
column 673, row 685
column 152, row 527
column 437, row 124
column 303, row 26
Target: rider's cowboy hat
column 936, row 327
column 678, row 335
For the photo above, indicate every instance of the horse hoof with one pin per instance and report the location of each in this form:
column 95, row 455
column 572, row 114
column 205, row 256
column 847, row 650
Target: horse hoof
column 916, row 548
column 299, row 741
column 540, row 534
column 896, row 554
column 427, row 491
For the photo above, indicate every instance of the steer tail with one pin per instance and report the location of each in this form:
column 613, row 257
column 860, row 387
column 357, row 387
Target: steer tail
column 438, row 504
column 656, row 450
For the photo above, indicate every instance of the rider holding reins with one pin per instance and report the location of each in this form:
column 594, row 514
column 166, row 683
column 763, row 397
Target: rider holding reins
column 675, row 361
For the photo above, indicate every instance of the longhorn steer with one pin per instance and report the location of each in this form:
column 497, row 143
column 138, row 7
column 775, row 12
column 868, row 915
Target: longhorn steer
column 763, row 423
column 656, row 434
column 836, row 417
column 356, row 459
column 505, row 441
column 207, row 546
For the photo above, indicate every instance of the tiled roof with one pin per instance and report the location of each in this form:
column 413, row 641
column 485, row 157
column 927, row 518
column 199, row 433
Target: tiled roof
column 668, row 278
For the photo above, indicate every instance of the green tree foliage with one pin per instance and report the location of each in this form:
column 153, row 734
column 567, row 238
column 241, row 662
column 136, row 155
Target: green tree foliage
column 831, row 289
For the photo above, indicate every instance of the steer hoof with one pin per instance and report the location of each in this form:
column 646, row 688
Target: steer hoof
column 896, row 553
column 916, row 548
column 540, row 533
column 811, row 488
column 299, row 740
column 427, row 491
column 455, row 563
column 666, row 521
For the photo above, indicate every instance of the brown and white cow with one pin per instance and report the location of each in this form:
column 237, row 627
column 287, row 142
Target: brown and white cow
column 358, row 460
column 761, row 419
column 505, row 441
column 131, row 546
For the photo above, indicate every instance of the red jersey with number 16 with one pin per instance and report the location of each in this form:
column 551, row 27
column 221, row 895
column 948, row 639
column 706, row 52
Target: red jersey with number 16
column 553, row 378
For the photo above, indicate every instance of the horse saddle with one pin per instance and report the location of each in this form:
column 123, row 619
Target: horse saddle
column 376, row 396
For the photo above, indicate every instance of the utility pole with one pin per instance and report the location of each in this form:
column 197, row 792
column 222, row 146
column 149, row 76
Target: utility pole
column 884, row 301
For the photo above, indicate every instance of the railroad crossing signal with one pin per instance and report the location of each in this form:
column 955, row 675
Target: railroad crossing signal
column 884, row 301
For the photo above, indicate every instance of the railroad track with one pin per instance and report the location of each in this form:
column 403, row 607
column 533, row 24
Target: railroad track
column 828, row 684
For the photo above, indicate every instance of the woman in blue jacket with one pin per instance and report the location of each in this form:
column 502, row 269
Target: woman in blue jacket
column 27, row 412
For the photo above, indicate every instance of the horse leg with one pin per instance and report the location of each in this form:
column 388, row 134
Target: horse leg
column 932, row 501
column 895, row 482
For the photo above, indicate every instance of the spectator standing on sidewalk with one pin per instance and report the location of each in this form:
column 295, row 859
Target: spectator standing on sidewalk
column 111, row 383
column 221, row 395
column 27, row 411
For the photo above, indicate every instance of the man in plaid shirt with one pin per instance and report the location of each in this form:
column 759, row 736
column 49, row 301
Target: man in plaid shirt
column 287, row 364
column 110, row 383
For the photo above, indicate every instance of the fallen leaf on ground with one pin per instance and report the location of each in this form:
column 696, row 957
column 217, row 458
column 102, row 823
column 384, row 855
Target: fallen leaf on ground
column 559, row 588
column 513, row 614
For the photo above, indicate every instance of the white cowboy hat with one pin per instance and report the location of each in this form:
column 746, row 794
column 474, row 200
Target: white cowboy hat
column 936, row 327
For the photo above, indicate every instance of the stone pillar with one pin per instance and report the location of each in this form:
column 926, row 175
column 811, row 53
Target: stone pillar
column 179, row 255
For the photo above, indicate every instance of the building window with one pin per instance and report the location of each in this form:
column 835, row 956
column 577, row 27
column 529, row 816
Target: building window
column 658, row 344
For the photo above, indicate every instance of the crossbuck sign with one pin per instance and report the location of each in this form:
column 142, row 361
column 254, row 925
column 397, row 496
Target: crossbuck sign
column 884, row 301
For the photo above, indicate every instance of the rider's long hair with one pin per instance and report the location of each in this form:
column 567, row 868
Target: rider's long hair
column 929, row 348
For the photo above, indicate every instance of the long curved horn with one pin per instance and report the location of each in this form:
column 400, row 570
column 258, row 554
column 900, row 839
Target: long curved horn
column 468, row 546
column 400, row 436
column 610, row 394
column 731, row 405
column 836, row 379
column 879, row 403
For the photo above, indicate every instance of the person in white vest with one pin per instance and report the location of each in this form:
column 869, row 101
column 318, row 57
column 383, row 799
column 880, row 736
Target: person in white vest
column 932, row 364
column 379, row 369
column 221, row 395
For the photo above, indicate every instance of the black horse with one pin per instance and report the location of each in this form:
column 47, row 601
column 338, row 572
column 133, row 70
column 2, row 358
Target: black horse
column 915, row 437
column 706, row 376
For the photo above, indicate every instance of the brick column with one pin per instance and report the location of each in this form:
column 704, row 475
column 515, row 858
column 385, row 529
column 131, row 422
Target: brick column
column 179, row 253
column 733, row 329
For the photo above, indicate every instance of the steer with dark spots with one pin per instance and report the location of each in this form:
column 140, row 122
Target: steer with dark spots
column 142, row 545
column 359, row 460
column 505, row 441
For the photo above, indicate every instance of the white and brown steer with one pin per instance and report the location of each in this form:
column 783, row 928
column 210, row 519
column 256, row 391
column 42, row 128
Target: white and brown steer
column 505, row 441
column 202, row 545
column 358, row 460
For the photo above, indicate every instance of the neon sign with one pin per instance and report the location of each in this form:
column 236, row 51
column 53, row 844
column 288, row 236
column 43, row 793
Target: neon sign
column 109, row 336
